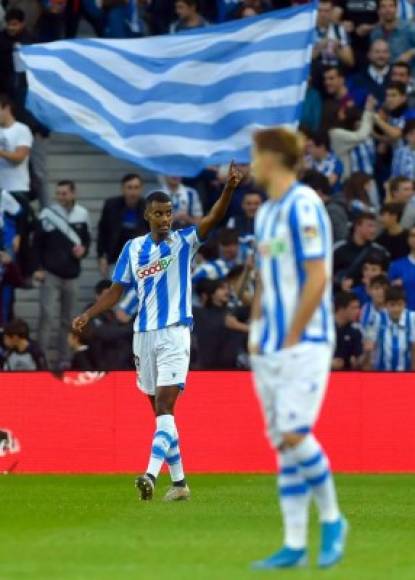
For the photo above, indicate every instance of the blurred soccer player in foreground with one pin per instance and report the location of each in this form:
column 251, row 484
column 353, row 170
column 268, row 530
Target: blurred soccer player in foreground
column 291, row 343
column 158, row 266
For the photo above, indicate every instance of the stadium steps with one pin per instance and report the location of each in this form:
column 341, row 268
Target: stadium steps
column 97, row 176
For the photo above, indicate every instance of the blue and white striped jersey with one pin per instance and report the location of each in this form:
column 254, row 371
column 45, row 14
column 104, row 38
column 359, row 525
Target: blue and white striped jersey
column 393, row 341
column 212, row 270
column 161, row 275
column 406, row 10
column 369, row 317
column 129, row 303
column 362, row 157
column 289, row 232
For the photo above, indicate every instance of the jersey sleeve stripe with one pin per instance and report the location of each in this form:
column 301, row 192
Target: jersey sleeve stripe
column 162, row 292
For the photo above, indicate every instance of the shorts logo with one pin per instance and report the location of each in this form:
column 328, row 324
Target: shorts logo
column 153, row 269
column 273, row 248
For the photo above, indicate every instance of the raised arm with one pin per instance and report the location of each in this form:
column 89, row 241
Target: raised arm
column 218, row 211
column 106, row 301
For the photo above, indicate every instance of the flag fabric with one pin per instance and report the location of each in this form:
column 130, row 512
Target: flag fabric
column 178, row 103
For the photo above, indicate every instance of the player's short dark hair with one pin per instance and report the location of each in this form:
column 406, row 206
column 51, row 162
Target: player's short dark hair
column 343, row 300
column 339, row 70
column 379, row 280
column 67, row 183
column 286, row 143
column 402, row 64
column 397, row 86
column 102, row 285
column 395, row 294
column 317, row 181
column 393, row 208
column 228, row 237
column 130, row 176
column 15, row 14
column 409, row 126
column 16, row 327
column 158, row 197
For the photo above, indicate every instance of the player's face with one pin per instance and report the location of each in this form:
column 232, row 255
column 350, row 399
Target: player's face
column 160, row 218
column 261, row 167
column 395, row 309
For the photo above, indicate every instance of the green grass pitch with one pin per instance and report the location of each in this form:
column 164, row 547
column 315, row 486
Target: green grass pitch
column 93, row 528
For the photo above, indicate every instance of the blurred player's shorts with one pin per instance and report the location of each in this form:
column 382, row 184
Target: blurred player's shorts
column 291, row 385
column 162, row 357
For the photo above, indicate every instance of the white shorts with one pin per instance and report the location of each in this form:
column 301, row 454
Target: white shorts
column 291, row 385
column 162, row 357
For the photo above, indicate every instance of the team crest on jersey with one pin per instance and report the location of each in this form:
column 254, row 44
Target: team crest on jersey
column 273, row 248
column 160, row 265
column 310, row 232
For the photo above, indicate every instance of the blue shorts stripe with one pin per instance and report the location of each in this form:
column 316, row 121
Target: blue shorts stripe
column 289, row 470
column 312, row 461
column 303, row 430
column 158, row 452
column 165, row 436
column 288, row 490
column 315, row 481
column 174, row 459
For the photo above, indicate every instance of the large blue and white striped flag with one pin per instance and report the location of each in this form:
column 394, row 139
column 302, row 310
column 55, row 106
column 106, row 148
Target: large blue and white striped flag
column 176, row 104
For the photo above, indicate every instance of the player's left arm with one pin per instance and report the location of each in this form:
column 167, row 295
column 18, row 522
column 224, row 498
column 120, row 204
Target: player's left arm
column 218, row 211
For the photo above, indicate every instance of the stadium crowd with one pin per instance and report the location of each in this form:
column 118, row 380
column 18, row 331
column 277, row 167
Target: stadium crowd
column 358, row 123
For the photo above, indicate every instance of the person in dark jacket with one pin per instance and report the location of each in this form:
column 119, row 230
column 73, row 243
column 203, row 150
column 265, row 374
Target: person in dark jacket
column 22, row 354
column 122, row 218
column 61, row 241
column 82, row 357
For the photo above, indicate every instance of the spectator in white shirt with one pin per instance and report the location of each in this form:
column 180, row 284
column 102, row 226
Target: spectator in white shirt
column 187, row 209
column 15, row 144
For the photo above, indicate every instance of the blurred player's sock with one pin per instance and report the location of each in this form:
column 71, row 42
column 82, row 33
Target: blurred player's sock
column 174, row 461
column 162, row 440
column 315, row 468
column 295, row 498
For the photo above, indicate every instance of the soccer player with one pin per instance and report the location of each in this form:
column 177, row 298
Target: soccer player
column 291, row 342
column 158, row 265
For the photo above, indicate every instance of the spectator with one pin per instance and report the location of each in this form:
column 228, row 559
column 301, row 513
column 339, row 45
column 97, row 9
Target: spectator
column 245, row 223
column 349, row 349
column 89, row 10
column 82, row 357
column 370, row 311
column 391, row 119
column 373, row 266
column 331, row 46
column 390, row 344
column 218, row 342
column 358, row 18
column 9, row 277
column 401, row 190
column 351, row 139
column 12, row 75
column 241, row 288
column 338, row 97
column 51, row 25
column 399, row 35
column 373, row 79
column 188, row 16
column 122, row 218
column 403, row 162
column 401, row 73
column 111, row 333
column 214, row 266
column 393, row 237
column 15, row 145
column 187, row 209
column 61, row 242
column 312, row 109
column 402, row 271
column 321, row 159
column 23, row 354
column 350, row 255
column 359, row 194
column 335, row 206
column 125, row 19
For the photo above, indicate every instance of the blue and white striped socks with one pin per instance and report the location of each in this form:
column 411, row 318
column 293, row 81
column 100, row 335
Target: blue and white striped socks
column 314, row 466
column 295, row 496
column 174, row 460
column 165, row 447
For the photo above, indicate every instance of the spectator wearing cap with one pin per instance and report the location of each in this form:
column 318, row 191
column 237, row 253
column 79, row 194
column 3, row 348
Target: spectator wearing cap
column 187, row 208
column 398, row 34
column 402, row 271
column 122, row 218
column 403, row 162
column 22, row 353
column 350, row 255
column 393, row 237
column 349, row 347
column 188, row 16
